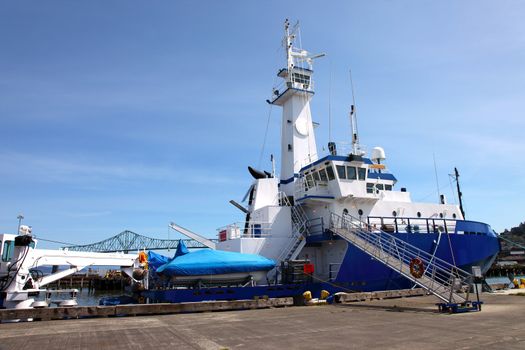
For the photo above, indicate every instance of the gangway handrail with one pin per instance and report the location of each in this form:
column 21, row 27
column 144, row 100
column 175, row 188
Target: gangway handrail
column 439, row 276
column 408, row 245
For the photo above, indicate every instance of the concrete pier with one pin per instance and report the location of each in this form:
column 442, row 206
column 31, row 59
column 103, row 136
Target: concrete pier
column 407, row 323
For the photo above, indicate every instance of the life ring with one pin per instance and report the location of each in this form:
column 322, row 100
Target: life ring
column 417, row 268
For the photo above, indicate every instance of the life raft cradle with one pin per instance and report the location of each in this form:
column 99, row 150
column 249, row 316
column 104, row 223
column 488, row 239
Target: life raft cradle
column 447, row 282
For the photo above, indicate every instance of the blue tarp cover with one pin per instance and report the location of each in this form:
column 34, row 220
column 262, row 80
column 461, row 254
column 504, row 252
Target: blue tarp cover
column 181, row 249
column 156, row 260
column 214, row 262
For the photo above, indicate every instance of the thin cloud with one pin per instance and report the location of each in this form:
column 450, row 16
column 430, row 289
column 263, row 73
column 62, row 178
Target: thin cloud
column 88, row 214
column 23, row 166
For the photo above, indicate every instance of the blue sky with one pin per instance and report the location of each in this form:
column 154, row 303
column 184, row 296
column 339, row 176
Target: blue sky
column 122, row 115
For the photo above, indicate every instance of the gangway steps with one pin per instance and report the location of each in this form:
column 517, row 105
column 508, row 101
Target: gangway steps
column 298, row 235
column 447, row 282
column 299, row 230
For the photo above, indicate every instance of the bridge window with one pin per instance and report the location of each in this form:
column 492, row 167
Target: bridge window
column 330, row 172
column 351, row 173
column 388, row 187
column 380, row 187
column 315, row 174
column 7, row 252
column 341, row 171
column 301, row 79
column 362, row 173
column 369, row 188
column 309, row 181
column 322, row 174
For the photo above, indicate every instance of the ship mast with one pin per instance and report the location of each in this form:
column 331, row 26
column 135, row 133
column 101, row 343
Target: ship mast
column 356, row 149
column 293, row 94
column 355, row 135
column 289, row 47
column 460, row 195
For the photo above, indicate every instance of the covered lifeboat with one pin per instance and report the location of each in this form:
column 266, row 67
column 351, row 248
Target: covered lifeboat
column 208, row 265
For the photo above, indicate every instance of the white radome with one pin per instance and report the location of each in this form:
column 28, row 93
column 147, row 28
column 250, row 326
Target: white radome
column 378, row 154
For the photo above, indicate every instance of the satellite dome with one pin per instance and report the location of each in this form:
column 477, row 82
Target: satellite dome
column 378, row 154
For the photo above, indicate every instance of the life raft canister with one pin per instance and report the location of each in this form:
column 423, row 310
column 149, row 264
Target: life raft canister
column 417, row 268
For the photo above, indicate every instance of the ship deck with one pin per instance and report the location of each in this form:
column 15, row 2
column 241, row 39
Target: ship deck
column 408, row 323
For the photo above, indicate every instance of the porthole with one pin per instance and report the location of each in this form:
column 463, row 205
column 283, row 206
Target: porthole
column 418, row 214
column 345, row 211
column 360, row 212
column 454, row 216
column 394, row 213
column 441, row 215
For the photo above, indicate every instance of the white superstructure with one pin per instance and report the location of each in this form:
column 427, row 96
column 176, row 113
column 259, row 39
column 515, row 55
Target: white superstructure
column 282, row 212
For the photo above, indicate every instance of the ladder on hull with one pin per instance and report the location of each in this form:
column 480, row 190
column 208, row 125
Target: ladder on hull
column 437, row 276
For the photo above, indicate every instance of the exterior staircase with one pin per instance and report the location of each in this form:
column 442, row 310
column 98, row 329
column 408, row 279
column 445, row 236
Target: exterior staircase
column 299, row 230
column 444, row 280
column 297, row 240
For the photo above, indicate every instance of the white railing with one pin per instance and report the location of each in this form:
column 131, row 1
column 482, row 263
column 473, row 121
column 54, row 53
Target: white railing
column 344, row 148
column 245, row 230
column 412, row 225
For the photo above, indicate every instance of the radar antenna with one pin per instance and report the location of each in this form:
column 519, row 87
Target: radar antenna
column 293, row 54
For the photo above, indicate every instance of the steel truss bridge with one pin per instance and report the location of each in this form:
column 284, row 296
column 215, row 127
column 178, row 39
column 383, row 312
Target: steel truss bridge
column 127, row 241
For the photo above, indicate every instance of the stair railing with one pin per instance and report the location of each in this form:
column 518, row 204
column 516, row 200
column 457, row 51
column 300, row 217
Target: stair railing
column 299, row 228
column 440, row 277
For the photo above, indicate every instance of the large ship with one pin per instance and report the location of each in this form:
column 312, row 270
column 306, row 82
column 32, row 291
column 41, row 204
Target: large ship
column 295, row 215
column 334, row 222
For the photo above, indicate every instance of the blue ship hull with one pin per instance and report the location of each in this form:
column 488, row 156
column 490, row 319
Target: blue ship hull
column 476, row 245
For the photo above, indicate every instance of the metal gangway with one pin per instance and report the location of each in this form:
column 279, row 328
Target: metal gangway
column 444, row 280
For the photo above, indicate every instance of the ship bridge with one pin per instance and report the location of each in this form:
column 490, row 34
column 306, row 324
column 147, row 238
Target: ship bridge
column 336, row 176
